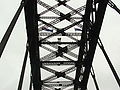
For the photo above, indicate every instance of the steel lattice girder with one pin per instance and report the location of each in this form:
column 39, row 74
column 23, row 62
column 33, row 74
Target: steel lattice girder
column 89, row 25
column 94, row 36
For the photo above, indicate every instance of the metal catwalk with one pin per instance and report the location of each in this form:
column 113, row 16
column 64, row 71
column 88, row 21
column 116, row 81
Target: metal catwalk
column 62, row 39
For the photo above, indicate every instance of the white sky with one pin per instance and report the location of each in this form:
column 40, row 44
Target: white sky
column 12, row 58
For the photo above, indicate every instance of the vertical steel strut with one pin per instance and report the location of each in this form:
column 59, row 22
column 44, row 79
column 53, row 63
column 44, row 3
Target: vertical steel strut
column 32, row 34
column 93, row 38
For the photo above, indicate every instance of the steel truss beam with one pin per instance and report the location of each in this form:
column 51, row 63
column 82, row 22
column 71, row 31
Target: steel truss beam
column 39, row 35
column 89, row 35
column 93, row 38
column 32, row 34
column 60, row 51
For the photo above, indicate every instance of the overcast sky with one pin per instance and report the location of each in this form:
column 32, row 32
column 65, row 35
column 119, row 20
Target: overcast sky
column 12, row 58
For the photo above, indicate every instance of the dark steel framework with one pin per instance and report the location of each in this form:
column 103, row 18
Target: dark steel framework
column 69, row 48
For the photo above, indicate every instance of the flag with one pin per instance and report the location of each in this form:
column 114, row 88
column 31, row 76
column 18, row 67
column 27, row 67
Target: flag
column 77, row 29
column 48, row 30
column 43, row 28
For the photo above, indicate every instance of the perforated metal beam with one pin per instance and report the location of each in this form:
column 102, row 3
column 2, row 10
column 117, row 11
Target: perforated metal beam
column 102, row 4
